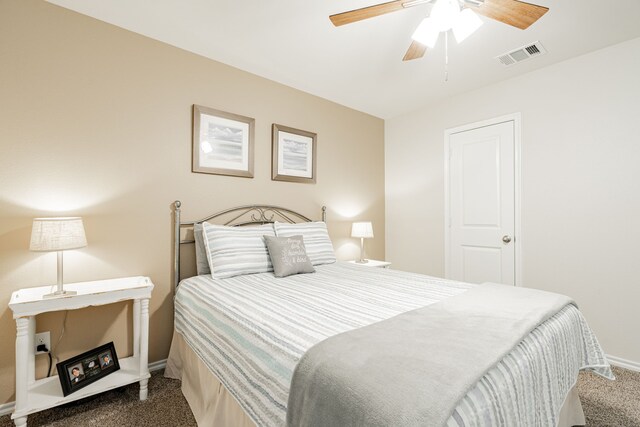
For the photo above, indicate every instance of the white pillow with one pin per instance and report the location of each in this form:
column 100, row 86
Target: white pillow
column 233, row 251
column 316, row 239
column 202, row 262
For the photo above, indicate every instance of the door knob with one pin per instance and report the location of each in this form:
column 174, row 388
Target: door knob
column 506, row 239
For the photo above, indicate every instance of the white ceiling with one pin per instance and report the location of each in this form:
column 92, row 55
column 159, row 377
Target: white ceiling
column 360, row 65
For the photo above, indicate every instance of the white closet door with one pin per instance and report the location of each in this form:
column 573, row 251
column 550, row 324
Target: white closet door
column 482, row 204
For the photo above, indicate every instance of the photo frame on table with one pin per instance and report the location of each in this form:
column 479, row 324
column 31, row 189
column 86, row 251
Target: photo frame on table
column 293, row 155
column 222, row 143
column 86, row 368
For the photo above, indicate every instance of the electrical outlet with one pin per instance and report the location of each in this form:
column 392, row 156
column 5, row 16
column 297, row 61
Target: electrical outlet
column 43, row 338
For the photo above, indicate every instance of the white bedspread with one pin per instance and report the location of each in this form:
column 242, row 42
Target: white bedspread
column 252, row 330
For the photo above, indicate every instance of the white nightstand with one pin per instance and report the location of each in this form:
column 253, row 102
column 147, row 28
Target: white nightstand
column 36, row 395
column 373, row 263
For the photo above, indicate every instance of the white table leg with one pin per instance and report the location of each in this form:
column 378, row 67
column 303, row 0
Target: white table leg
column 144, row 347
column 31, row 359
column 136, row 328
column 23, row 339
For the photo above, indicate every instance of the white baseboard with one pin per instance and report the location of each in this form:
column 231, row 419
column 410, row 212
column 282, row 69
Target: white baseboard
column 156, row 366
column 623, row 363
column 7, row 408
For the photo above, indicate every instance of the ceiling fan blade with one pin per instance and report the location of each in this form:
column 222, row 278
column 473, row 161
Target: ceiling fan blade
column 511, row 12
column 415, row 51
column 371, row 11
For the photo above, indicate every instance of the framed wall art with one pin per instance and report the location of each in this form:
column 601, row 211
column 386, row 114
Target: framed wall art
column 294, row 155
column 85, row 368
column 222, row 143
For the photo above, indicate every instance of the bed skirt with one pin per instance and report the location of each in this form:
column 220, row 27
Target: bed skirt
column 212, row 405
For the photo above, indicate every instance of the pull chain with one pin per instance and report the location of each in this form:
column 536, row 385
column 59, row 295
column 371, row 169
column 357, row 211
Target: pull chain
column 446, row 56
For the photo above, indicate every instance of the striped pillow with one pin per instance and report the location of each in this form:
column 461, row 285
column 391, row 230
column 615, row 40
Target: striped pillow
column 233, row 251
column 316, row 239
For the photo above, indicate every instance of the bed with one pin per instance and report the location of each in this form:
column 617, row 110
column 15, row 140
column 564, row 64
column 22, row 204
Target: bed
column 238, row 340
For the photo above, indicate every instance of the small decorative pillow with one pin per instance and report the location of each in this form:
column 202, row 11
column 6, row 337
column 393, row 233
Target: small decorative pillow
column 288, row 255
column 316, row 239
column 202, row 262
column 233, row 251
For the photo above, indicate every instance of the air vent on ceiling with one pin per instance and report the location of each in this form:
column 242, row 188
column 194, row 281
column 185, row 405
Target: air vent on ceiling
column 521, row 54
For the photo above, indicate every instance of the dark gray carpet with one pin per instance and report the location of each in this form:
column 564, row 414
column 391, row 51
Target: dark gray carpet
column 165, row 406
column 606, row 404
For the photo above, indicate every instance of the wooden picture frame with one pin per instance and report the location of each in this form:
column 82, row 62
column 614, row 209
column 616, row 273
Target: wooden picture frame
column 293, row 155
column 222, row 143
column 86, row 368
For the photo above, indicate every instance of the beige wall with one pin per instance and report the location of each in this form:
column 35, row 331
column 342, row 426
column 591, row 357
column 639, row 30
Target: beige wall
column 580, row 177
column 96, row 121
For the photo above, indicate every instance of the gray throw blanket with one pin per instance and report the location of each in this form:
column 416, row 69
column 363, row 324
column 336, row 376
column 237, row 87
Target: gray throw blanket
column 414, row 368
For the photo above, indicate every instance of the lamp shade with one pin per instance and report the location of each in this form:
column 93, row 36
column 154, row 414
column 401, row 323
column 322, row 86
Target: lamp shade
column 427, row 33
column 444, row 16
column 465, row 24
column 444, row 13
column 57, row 234
column 362, row 229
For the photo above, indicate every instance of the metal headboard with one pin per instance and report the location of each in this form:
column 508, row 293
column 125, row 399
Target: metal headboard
column 235, row 217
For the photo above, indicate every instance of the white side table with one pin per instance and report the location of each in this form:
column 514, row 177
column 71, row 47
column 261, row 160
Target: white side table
column 373, row 263
column 36, row 395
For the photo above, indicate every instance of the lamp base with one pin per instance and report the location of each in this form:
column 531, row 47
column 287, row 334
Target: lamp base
column 60, row 294
column 362, row 261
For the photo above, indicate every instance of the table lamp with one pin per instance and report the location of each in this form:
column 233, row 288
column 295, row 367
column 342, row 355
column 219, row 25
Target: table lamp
column 57, row 234
column 363, row 230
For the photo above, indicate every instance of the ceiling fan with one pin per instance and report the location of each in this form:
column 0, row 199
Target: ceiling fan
column 448, row 14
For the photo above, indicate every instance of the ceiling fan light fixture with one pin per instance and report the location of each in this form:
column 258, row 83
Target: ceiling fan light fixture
column 445, row 13
column 427, row 33
column 465, row 24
